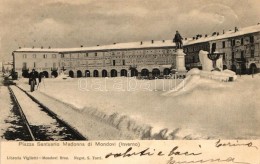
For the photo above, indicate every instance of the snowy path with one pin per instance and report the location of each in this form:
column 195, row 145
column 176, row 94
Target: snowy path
column 89, row 126
column 11, row 125
column 43, row 126
column 31, row 110
column 5, row 109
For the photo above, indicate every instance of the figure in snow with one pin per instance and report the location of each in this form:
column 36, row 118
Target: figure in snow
column 32, row 79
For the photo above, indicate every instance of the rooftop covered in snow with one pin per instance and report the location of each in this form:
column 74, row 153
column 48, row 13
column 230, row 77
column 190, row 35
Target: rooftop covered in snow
column 148, row 44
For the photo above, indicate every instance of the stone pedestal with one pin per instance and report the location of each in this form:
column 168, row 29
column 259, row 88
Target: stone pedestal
column 180, row 61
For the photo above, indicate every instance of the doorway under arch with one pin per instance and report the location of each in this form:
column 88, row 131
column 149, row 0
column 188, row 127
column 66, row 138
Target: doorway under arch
column 144, row 72
column 252, row 68
column 54, row 74
column 224, row 67
column 113, row 73
column 156, row 72
column 166, row 71
column 71, row 74
column 79, row 73
column 134, row 72
column 25, row 73
column 87, row 73
column 45, row 74
column 104, row 73
column 95, row 73
column 123, row 73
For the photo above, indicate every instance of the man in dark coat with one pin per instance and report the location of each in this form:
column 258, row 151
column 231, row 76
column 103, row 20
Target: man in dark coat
column 178, row 40
column 32, row 79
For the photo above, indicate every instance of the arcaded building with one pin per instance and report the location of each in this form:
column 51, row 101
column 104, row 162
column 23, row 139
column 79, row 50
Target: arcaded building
column 153, row 58
column 239, row 48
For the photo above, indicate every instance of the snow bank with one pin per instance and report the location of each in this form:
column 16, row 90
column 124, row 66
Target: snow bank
column 193, row 79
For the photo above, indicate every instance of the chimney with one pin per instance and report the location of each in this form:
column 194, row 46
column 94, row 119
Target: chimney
column 98, row 45
column 163, row 41
column 81, row 46
column 223, row 31
column 114, row 43
column 141, row 42
column 217, row 33
column 206, row 35
column 236, row 29
column 49, row 47
column 41, row 47
column 152, row 41
column 193, row 38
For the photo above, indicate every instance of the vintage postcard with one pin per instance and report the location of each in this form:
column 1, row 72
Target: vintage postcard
column 134, row 81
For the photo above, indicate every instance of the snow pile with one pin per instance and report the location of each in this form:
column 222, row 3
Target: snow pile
column 63, row 76
column 225, row 75
column 193, row 79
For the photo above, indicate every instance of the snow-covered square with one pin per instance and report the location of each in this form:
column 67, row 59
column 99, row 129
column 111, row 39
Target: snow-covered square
column 202, row 108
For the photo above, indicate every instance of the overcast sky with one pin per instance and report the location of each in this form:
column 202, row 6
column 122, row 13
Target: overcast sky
column 71, row 23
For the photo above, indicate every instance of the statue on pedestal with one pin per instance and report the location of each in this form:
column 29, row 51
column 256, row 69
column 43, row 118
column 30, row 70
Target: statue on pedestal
column 178, row 40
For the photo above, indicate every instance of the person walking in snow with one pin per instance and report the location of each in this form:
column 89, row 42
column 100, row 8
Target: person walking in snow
column 178, row 40
column 32, row 79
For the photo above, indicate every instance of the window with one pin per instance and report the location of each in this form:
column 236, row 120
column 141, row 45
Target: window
column 34, row 64
column 213, row 48
column 233, row 56
column 114, row 62
column 44, row 56
column 242, row 55
column 123, row 62
column 233, row 42
column 24, row 65
column 242, row 41
column 251, row 39
column 24, row 56
column 86, row 55
column 223, row 44
column 224, row 57
column 62, row 55
column 95, row 54
column 252, row 53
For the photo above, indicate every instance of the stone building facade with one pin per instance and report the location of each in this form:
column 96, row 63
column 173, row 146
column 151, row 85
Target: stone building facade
column 147, row 59
column 240, row 51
